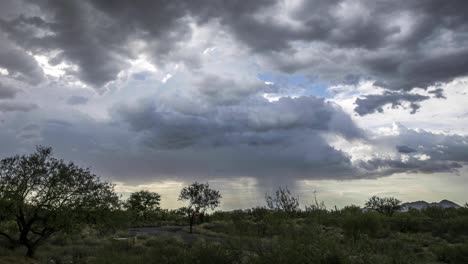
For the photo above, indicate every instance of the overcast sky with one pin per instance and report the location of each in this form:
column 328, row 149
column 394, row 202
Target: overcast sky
column 350, row 98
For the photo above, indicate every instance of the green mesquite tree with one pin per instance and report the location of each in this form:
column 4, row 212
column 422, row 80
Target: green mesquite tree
column 200, row 198
column 41, row 195
column 143, row 202
column 384, row 205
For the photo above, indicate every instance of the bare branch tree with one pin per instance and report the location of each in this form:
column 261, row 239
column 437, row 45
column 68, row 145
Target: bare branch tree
column 283, row 201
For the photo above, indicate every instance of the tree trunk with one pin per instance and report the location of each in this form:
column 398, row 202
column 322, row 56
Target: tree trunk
column 31, row 251
column 23, row 240
column 191, row 222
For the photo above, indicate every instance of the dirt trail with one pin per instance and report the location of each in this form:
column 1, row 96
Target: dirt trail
column 177, row 231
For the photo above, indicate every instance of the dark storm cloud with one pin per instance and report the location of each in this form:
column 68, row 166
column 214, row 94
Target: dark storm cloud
column 80, row 34
column 254, row 138
column 219, row 125
column 31, row 127
column 7, row 92
column 405, row 149
column 96, row 35
column 225, row 91
column 410, row 68
column 77, row 100
column 438, row 93
column 20, row 65
column 434, row 153
column 437, row 146
column 273, row 154
column 16, row 107
column 383, row 167
column 375, row 102
column 400, row 44
column 277, row 142
column 254, row 122
column 397, row 43
column 60, row 123
column 111, row 150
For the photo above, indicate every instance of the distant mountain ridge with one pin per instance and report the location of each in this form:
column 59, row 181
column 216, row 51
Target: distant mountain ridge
column 423, row 204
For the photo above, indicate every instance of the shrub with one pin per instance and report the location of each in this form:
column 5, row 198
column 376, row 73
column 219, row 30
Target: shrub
column 207, row 253
column 407, row 223
column 355, row 225
column 457, row 254
column 283, row 201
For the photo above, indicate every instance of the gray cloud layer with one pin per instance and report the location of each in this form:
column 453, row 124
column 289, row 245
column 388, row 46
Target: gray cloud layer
column 7, row 92
column 16, row 106
column 426, row 152
column 77, row 100
column 375, row 103
column 250, row 123
column 400, row 44
column 19, row 64
column 277, row 143
column 217, row 125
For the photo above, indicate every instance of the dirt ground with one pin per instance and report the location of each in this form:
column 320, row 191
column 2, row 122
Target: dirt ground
column 177, row 231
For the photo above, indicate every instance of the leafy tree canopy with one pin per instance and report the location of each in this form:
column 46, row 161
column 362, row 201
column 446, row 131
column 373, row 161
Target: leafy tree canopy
column 384, row 205
column 200, row 196
column 143, row 201
column 41, row 195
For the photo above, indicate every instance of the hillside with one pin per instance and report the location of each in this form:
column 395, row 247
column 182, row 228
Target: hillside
column 423, row 204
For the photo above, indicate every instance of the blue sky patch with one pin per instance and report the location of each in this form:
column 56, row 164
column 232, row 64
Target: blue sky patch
column 296, row 84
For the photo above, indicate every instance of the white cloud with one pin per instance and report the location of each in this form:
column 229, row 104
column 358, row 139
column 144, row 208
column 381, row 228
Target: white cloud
column 166, row 78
